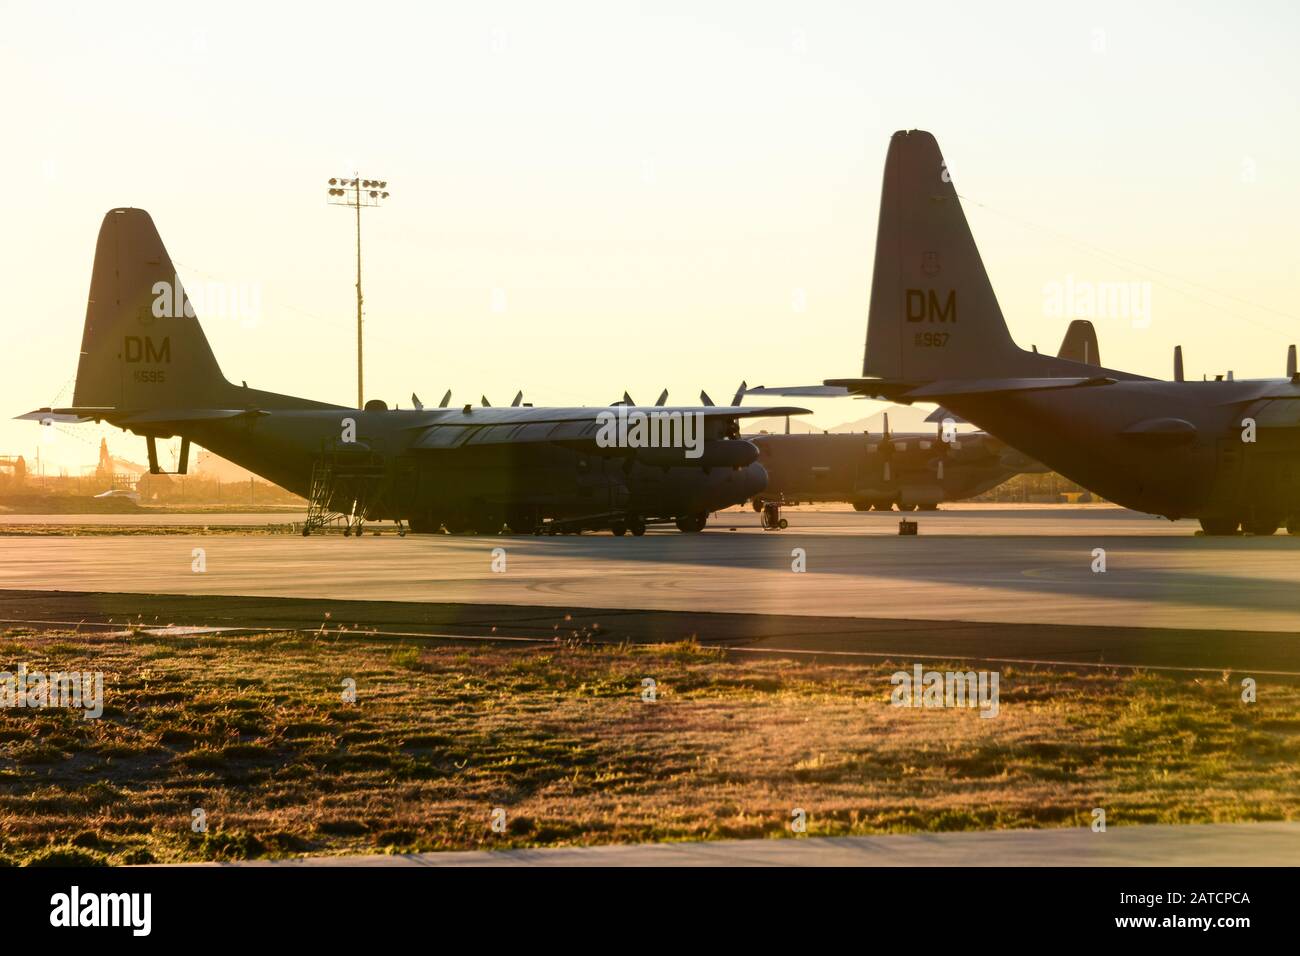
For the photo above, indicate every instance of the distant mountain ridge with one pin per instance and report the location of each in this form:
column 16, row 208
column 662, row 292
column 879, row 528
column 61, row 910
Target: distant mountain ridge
column 902, row 418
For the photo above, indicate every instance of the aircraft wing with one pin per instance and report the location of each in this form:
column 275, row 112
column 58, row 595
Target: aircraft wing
column 1268, row 388
column 459, row 428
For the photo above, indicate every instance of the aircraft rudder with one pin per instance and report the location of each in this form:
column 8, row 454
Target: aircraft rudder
column 142, row 345
column 933, row 312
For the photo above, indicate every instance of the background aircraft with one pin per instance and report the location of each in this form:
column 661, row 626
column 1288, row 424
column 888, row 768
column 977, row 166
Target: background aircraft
column 1226, row 452
column 465, row 469
column 912, row 470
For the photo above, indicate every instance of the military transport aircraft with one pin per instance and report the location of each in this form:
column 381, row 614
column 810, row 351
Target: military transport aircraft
column 1225, row 452
column 146, row 367
column 912, row 470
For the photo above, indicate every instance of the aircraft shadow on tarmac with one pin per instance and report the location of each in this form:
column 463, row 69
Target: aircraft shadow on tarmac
column 1033, row 564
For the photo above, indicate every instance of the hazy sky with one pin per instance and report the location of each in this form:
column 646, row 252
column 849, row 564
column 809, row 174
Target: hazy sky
column 592, row 197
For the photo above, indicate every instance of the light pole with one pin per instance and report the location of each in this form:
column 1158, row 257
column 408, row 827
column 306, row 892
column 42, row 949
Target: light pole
column 358, row 192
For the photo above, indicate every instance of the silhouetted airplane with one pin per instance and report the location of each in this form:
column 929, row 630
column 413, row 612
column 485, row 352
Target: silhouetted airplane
column 146, row 367
column 1226, row 452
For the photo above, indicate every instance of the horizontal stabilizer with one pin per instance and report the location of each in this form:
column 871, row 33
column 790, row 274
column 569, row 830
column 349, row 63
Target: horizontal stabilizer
column 128, row 419
column 797, row 391
column 165, row 416
column 911, row 392
column 996, row 386
column 64, row 416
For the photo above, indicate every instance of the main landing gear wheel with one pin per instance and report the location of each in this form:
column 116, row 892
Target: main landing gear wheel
column 636, row 524
column 1219, row 526
column 1262, row 526
column 691, row 524
column 618, row 530
column 522, row 519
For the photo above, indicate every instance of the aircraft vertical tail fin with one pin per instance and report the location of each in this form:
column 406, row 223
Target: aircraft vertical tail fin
column 933, row 313
column 1080, row 343
column 142, row 347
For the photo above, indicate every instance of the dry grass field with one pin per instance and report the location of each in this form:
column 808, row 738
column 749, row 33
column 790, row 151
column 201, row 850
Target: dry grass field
column 253, row 731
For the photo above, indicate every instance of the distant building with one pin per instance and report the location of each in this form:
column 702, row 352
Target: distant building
column 109, row 466
column 15, row 465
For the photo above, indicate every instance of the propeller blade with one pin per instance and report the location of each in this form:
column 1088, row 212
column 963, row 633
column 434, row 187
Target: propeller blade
column 485, row 403
column 519, row 397
column 740, row 394
column 627, row 399
column 704, row 399
column 415, row 400
column 445, row 399
column 663, row 397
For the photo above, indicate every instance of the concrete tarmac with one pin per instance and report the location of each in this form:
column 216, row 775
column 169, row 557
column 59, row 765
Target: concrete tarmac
column 1030, row 566
column 1259, row 653
column 1214, row 844
column 959, row 518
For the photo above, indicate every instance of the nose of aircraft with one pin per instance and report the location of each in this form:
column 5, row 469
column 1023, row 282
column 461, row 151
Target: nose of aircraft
column 753, row 479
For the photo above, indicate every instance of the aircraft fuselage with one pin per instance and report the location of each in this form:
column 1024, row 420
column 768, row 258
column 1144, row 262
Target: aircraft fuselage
column 441, row 467
column 1177, row 449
